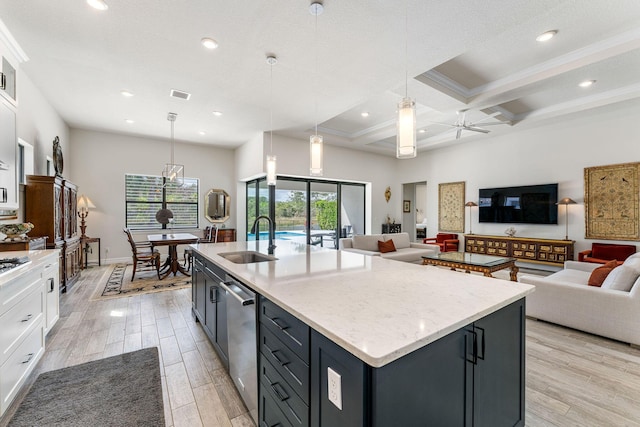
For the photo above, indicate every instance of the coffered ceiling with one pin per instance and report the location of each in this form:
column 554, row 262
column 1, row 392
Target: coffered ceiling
column 478, row 57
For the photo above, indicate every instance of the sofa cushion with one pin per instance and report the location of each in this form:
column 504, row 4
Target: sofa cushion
column 407, row 255
column 621, row 278
column 367, row 242
column 569, row 275
column 385, row 247
column 611, row 251
column 400, row 240
column 633, row 262
column 600, row 274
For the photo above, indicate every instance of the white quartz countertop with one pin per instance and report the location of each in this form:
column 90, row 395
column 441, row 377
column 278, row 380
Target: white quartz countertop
column 379, row 310
column 35, row 257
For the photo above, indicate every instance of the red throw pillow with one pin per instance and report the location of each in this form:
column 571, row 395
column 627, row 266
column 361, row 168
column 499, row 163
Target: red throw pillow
column 599, row 274
column 388, row 246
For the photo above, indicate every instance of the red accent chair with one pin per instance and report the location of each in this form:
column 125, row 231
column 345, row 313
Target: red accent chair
column 600, row 253
column 448, row 242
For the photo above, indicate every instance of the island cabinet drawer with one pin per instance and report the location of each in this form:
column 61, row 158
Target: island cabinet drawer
column 19, row 320
column 291, row 331
column 270, row 414
column 291, row 405
column 293, row 369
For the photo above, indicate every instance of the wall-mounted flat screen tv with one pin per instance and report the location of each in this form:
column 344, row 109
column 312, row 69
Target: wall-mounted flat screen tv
column 528, row 204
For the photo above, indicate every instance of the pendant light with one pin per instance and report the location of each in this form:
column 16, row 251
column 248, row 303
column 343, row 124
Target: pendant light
column 406, row 124
column 315, row 141
column 271, row 159
column 173, row 172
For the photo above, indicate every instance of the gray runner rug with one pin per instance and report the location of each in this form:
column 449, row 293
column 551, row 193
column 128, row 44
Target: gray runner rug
column 123, row 390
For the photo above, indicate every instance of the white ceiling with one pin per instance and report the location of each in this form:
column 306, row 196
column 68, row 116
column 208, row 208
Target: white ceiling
column 464, row 55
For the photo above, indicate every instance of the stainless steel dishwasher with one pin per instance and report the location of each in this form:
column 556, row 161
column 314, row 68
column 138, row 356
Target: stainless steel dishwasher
column 241, row 327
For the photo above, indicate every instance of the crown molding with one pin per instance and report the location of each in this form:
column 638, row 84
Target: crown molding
column 10, row 42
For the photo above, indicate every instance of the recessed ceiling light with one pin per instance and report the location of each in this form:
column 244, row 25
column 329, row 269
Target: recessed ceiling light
column 202, row 132
column 98, row 4
column 586, row 83
column 126, row 93
column 364, row 114
column 421, row 131
column 129, row 121
column 217, row 113
column 209, row 43
column 546, row 36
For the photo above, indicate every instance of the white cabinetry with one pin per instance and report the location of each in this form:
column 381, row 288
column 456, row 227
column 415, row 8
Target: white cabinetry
column 28, row 309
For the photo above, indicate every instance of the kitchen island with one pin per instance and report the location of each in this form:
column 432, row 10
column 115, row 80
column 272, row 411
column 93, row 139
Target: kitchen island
column 346, row 339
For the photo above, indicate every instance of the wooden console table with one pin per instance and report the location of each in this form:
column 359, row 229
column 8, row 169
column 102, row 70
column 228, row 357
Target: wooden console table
column 541, row 251
column 85, row 243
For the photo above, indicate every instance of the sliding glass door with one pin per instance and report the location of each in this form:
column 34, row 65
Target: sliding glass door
column 305, row 210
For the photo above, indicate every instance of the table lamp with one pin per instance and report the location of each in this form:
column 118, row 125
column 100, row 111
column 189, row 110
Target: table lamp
column 84, row 204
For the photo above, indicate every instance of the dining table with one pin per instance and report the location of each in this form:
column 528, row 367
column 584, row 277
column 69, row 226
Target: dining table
column 172, row 240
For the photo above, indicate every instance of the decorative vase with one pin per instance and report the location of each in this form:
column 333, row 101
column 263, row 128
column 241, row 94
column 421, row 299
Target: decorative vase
column 16, row 231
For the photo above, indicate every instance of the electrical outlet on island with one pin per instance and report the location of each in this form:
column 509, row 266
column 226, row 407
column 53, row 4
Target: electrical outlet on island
column 334, row 388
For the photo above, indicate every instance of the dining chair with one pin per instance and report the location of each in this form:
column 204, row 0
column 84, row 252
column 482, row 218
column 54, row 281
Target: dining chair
column 209, row 235
column 144, row 255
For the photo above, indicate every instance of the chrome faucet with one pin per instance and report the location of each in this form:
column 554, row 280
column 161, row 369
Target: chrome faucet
column 272, row 231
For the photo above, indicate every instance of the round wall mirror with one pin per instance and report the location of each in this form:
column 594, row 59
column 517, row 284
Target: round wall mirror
column 216, row 204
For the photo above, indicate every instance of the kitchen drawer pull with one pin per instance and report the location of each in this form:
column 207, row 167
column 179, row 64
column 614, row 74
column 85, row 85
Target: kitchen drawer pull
column 274, row 320
column 283, row 329
column 279, row 391
column 29, row 357
column 3, row 81
column 275, row 356
column 212, row 293
column 51, row 284
column 26, row 319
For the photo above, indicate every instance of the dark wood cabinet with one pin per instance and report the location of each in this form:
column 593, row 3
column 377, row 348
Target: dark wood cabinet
column 226, row 235
column 540, row 251
column 50, row 205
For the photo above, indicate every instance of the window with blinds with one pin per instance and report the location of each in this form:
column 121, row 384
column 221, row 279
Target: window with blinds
column 145, row 195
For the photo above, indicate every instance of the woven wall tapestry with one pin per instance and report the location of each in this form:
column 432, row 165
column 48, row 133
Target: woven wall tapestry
column 612, row 202
column 451, row 207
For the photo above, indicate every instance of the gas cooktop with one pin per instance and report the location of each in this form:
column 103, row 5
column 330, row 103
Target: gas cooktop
column 7, row 264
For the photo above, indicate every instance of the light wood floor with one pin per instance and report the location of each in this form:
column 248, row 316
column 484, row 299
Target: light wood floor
column 573, row 379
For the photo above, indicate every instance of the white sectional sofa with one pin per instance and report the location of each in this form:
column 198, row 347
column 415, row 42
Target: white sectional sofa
column 405, row 249
column 565, row 298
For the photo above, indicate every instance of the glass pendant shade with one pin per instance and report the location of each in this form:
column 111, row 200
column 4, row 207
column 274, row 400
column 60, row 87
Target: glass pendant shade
column 271, row 170
column 406, row 132
column 173, row 173
column 315, row 151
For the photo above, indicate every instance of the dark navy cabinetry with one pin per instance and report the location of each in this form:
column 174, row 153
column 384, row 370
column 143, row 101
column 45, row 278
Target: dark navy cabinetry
column 209, row 304
column 471, row 377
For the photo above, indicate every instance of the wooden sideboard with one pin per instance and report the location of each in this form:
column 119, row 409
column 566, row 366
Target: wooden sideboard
column 226, row 235
column 28, row 244
column 542, row 251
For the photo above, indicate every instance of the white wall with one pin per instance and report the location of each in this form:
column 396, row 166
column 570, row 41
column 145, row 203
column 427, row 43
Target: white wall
column 339, row 164
column 38, row 123
column 550, row 153
column 100, row 161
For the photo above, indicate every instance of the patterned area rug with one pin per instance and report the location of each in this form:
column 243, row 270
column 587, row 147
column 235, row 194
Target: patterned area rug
column 116, row 282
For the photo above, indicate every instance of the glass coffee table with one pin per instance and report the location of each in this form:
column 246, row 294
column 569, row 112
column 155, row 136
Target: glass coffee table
column 469, row 262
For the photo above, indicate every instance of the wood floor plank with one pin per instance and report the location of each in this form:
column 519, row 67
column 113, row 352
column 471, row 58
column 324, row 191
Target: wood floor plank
column 572, row 378
column 212, row 412
column 178, row 386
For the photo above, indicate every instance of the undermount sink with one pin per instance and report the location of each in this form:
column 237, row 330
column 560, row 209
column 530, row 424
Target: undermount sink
column 246, row 257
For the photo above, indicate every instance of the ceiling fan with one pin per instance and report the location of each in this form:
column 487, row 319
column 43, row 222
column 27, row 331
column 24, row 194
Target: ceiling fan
column 462, row 124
